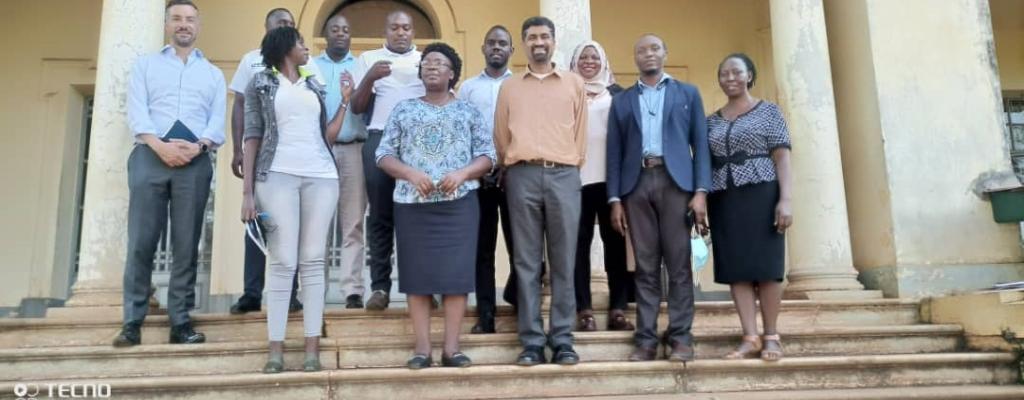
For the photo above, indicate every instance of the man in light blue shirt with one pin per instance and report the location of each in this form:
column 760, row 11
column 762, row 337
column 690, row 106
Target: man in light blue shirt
column 482, row 92
column 652, row 101
column 176, row 107
column 348, row 153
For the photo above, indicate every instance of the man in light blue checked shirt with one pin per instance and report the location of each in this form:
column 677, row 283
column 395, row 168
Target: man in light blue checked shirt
column 348, row 153
column 176, row 109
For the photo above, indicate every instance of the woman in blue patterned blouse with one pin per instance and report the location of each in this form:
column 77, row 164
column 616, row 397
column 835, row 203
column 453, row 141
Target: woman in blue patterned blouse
column 437, row 148
column 749, row 205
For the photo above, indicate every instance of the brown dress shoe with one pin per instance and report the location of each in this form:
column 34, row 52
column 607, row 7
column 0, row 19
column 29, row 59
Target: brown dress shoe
column 586, row 321
column 643, row 354
column 681, row 352
column 617, row 321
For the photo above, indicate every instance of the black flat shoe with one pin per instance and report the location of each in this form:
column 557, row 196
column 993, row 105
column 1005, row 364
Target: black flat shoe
column 419, row 361
column 457, row 359
column 565, row 355
column 531, row 355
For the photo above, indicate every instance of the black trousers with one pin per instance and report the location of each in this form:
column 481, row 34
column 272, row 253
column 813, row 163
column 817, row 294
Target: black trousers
column 492, row 204
column 620, row 281
column 380, row 226
column 255, row 273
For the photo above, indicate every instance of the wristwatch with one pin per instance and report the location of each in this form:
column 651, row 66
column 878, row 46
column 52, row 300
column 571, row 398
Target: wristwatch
column 203, row 148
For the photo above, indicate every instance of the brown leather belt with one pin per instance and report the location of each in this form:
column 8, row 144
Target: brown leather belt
column 546, row 164
column 653, row 162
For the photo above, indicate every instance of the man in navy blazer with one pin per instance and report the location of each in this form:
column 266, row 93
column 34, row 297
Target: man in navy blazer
column 659, row 169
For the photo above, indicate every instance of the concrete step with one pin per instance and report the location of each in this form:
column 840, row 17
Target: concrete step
column 964, row 392
column 354, row 323
column 392, row 351
column 585, row 379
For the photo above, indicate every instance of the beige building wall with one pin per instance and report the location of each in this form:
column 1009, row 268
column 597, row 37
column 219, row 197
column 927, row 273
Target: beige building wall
column 920, row 124
column 41, row 123
column 698, row 33
column 913, row 139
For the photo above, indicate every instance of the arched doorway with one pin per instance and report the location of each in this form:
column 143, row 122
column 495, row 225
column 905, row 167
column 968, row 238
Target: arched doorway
column 434, row 21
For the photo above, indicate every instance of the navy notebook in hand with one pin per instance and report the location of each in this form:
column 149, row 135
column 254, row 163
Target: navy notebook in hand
column 180, row 131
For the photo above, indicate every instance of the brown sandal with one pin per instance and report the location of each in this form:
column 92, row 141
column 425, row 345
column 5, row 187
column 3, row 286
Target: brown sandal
column 750, row 347
column 772, row 354
column 586, row 321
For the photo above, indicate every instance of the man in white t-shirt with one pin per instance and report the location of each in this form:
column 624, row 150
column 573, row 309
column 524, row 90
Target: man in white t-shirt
column 255, row 260
column 386, row 76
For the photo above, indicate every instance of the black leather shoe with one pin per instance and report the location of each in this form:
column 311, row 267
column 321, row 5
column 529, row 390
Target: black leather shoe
column 244, row 305
column 485, row 324
column 565, row 355
column 531, row 355
column 641, row 353
column 131, row 335
column 186, row 335
column 354, row 301
column 294, row 306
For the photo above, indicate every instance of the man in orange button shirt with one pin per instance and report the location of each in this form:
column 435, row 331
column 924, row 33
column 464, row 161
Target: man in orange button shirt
column 539, row 134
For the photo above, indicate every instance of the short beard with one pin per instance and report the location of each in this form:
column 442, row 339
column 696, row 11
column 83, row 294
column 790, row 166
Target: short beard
column 182, row 43
column 651, row 72
column 498, row 65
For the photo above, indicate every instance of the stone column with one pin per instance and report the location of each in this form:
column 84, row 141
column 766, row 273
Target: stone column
column 129, row 29
column 572, row 26
column 820, row 260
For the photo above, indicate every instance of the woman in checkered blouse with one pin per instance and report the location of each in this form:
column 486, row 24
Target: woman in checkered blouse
column 749, row 207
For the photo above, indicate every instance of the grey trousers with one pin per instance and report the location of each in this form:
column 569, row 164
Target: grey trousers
column 660, row 231
column 299, row 212
column 544, row 205
column 153, row 189
column 351, row 215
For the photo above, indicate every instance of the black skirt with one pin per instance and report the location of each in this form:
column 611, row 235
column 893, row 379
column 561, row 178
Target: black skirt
column 745, row 243
column 437, row 246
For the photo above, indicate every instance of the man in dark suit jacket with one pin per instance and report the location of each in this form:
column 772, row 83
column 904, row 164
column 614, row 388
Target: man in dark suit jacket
column 659, row 167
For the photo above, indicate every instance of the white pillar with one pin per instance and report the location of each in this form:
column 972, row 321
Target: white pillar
column 129, row 29
column 572, row 26
column 820, row 258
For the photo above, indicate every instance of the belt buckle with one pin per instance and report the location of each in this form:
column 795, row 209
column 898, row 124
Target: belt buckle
column 549, row 164
column 647, row 162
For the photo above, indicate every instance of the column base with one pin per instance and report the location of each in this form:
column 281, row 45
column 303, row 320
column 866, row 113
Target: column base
column 833, row 295
column 90, row 301
column 919, row 281
column 826, row 285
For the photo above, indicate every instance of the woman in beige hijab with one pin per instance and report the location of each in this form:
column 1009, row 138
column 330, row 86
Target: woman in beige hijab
column 590, row 62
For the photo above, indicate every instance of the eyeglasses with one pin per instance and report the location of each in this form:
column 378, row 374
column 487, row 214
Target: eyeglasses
column 434, row 64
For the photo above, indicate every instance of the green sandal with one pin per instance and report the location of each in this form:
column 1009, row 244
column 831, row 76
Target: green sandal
column 312, row 363
column 274, row 365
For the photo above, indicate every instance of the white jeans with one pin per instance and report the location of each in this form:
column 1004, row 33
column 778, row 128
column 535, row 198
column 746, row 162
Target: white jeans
column 299, row 212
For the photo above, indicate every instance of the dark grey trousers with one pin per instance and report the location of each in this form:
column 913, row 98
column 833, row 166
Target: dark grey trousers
column 660, row 231
column 154, row 189
column 380, row 226
column 544, row 205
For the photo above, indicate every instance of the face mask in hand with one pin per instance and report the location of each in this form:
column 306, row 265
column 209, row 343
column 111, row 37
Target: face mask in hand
column 700, row 254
